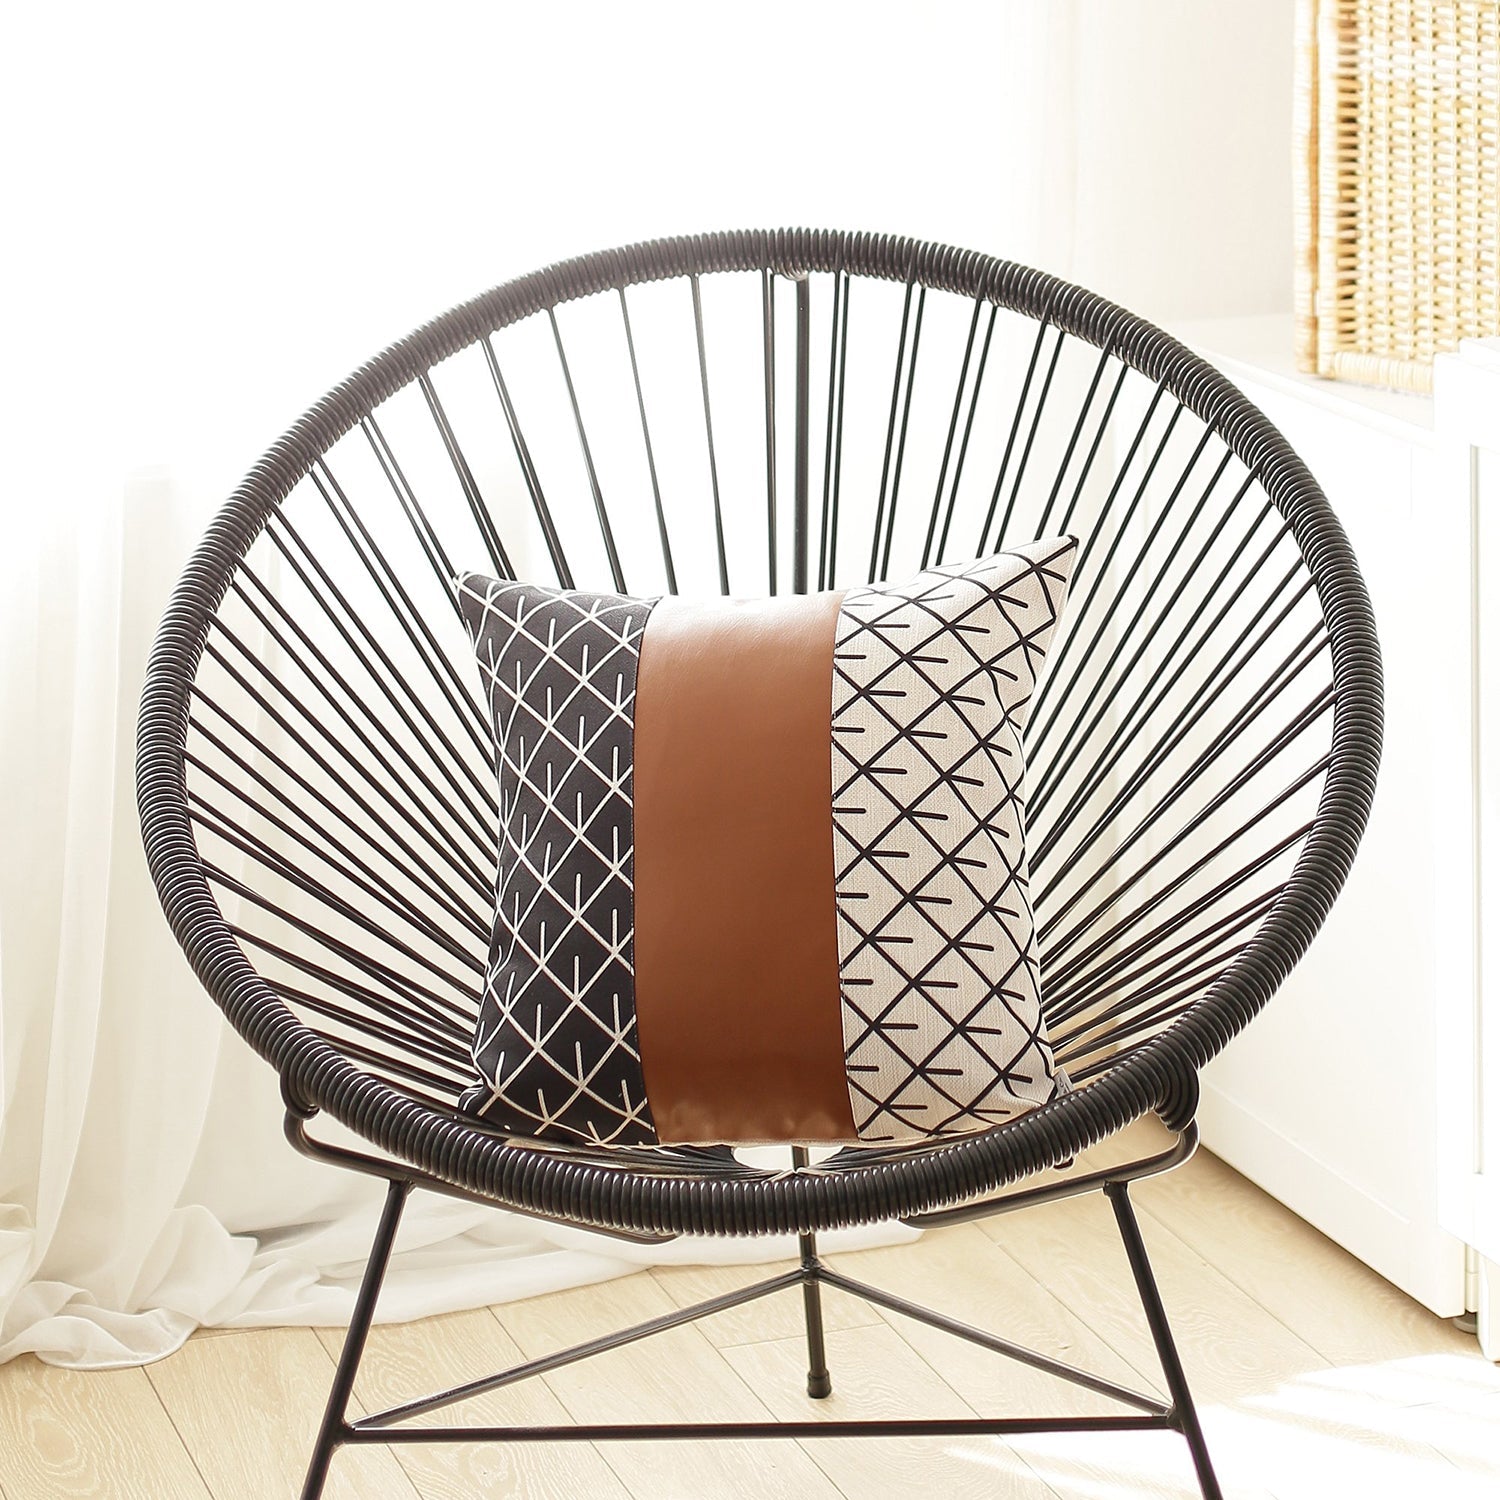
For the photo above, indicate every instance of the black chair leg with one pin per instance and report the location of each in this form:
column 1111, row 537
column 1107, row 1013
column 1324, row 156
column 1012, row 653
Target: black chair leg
column 1183, row 1410
column 819, row 1381
column 331, row 1432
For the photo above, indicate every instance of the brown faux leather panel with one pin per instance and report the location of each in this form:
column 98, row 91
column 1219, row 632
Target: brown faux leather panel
column 736, row 951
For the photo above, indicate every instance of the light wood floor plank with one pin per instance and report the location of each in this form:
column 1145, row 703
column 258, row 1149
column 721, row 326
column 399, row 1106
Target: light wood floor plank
column 248, row 1407
column 876, row 1374
column 67, row 1434
column 1259, row 1384
column 1338, row 1306
column 961, row 1272
column 675, row 1376
column 1228, row 1342
column 413, row 1359
column 1464, row 1427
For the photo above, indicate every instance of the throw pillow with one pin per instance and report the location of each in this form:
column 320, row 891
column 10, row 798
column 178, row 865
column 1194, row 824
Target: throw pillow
column 762, row 861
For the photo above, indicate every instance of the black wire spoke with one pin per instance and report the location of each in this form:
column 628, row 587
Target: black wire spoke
column 420, row 997
column 478, row 509
column 395, row 1063
column 708, row 429
column 418, row 874
column 1031, row 435
column 1082, row 1000
column 606, row 531
column 1161, row 804
column 1042, row 327
column 413, row 622
column 1002, row 531
column 474, row 820
column 911, row 386
column 470, row 710
column 406, row 497
column 1077, row 978
column 1146, row 1008
column 465, row 873
column 435, row 1027
column 1110, row 681
column 963, row 447
column 1179, row 919
column 1087, row 467
column 1117, row 595
column 366, row 648
column 640, row 402
column 1141, row 713
column 768, row 362
column 276, row 863
column 958, row 400
column 1303, row 654
column 1143, row 1023
column 1044, row 524
column 390, row 789
column 529, row 476
column 343, row 863
column 833, row 454
column 802, row 432
column 1062, row 647
column 1320, row 705
column 899, row 379
column 1061, row 945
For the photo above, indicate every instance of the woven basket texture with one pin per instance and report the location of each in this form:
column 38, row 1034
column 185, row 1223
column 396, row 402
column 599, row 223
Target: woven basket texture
column 1397, row 185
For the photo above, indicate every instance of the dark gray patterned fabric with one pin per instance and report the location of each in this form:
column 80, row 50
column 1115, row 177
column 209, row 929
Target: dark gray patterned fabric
column 556, row 1040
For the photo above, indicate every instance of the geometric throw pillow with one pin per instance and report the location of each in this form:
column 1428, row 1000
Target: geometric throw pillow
column 762, row 868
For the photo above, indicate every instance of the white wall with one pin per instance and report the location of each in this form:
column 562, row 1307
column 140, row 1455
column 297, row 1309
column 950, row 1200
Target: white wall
column 1182, row 201
column 219, row 212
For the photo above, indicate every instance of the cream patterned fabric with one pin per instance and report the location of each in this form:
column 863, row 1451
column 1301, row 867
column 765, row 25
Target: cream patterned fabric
column 937, row 951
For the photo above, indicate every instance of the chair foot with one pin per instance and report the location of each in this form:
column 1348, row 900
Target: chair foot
column 819, row 1381
column 331, row 1432
column 1183, row 1409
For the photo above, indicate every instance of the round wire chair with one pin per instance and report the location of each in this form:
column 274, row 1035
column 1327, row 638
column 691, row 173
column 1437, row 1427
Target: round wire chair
column 745, row 413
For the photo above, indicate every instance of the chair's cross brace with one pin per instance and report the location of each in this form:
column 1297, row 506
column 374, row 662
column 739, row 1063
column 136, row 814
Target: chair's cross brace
column 996, row 1345
column 549, row 1362
column 737, row 1431
column 809, row 1276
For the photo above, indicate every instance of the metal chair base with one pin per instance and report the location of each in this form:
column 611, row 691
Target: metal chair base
column 1148, row 1414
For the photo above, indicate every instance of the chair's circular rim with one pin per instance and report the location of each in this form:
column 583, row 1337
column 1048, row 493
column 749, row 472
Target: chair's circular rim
column 1160, row 1075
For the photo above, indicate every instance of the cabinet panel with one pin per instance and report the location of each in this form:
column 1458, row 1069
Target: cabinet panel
column 1468, row 390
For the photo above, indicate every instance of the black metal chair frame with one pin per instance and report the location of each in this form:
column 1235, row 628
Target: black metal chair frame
column 396, row 1424
column 653, row 1197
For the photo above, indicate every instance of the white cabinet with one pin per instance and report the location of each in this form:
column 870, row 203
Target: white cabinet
column 1342, row 1100
column 1467, row 395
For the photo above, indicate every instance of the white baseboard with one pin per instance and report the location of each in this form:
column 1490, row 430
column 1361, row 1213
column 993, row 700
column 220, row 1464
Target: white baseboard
column 1423, row 1260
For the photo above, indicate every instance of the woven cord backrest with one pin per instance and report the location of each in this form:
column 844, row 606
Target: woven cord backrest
column 748, row 414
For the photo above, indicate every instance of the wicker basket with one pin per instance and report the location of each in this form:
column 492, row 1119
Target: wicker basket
column 1398, row 177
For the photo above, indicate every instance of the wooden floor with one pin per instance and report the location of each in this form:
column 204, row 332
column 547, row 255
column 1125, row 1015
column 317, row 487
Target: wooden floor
column 1314, row 1377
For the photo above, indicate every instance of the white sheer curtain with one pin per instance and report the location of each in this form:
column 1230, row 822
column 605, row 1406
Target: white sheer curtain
column 219, row 213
